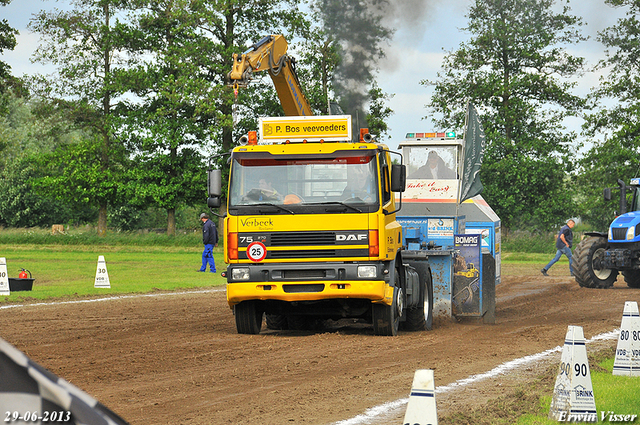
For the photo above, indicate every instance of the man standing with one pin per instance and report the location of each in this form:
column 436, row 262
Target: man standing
column 563, row 246
column 210, row 239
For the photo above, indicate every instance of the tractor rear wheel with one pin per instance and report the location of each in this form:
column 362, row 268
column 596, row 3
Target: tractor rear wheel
column 588, row 250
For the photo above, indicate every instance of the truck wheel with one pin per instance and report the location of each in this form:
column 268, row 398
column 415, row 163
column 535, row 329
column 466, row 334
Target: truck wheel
column 420, row 317
column 277, row 322
column 632, row 277
column 585, row 274
column 248, row 318
column 386, row 318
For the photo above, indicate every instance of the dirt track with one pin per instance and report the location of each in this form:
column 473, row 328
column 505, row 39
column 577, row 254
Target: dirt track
column 177, row 358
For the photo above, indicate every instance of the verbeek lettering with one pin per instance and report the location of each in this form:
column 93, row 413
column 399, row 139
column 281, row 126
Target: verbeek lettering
column 257, row 222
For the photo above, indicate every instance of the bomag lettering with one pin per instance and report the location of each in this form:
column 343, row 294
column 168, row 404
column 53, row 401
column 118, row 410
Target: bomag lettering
column 466, row 239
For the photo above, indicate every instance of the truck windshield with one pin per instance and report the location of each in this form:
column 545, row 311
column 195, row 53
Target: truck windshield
column 431, row 162
column 344, row 179
column 635, row 199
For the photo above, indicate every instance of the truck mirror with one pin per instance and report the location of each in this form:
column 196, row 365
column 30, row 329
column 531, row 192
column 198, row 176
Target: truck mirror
column 214, row 183
column 607, row 194
column 398, row 177
column 213, row 202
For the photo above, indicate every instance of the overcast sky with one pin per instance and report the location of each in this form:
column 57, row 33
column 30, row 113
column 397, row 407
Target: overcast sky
column 424, row 30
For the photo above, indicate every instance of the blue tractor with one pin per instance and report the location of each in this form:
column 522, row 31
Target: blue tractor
column 599, row 257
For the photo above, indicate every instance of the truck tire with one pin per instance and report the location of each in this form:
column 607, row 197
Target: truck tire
column 420, row 317
column 277, row 322
column 585, row 274
column 248, row 318
column 632, row 277
column 386, row 318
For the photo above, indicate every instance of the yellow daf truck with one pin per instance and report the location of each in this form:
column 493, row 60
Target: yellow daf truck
column 311, row 233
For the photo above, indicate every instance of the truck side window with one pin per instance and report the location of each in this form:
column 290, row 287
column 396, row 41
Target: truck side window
column 385, row 179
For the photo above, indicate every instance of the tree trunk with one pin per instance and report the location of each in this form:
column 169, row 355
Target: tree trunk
column 102, row 219
column 171, row 221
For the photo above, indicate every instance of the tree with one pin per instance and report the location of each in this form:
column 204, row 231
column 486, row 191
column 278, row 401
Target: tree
column 83, row 43
column 7, row 42
column 7, row 81
column 29, row 131
column 22, row 204
column 319, row 54
column 378, row 112
column 617, row 116
column 232, row 26
column 515, row 69
column 168, row 122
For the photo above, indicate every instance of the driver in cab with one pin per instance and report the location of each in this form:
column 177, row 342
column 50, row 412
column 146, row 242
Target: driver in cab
column 358, row 187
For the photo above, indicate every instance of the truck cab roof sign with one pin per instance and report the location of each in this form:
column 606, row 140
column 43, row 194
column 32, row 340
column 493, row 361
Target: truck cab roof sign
column 311, row 129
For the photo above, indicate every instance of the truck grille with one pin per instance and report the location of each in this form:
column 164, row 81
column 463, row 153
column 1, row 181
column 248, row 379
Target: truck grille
column 302, row 238
column 303, row 253
column 313, row 287
column 619, row 233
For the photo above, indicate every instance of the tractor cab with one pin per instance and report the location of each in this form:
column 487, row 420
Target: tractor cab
column 626, row 226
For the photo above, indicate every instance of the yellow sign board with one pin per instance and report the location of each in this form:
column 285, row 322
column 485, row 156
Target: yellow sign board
column 315, row 128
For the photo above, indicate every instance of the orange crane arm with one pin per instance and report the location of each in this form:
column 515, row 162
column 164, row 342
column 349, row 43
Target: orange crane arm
column 270, row 54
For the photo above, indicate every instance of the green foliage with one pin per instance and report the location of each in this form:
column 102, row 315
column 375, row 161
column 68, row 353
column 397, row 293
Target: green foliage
column 378, row 112
column 167, row 127
column 83, row 44
column 616, row 115
column 21, row 205
column 514, row 70
column 526, row 242
column 7, row 42
column 75, row 173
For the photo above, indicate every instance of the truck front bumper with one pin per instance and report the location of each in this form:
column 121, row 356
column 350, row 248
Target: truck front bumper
column 307, row 282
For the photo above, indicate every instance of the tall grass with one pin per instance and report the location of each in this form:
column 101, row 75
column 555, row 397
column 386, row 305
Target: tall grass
column 88, row 236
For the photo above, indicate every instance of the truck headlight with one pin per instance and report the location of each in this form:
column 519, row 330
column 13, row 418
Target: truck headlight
column 610, row 236
column 240, row 273
column 367, row 272
column 631, row 233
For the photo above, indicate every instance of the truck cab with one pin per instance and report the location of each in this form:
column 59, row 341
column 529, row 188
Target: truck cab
column 310, row 231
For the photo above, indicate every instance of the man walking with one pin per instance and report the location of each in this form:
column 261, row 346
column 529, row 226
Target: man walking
column 210, row 239
column 563, row 246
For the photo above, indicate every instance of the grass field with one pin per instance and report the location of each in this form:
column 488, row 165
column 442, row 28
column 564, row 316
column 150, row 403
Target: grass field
column 616, row 394
column 63, row 271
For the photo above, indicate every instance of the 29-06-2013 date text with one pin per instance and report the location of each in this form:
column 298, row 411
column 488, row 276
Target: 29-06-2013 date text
column 46, row 416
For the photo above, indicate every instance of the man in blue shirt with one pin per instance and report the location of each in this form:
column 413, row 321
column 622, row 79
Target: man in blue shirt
column 563, row 246
column 210, row 239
